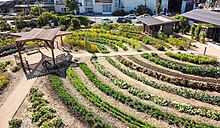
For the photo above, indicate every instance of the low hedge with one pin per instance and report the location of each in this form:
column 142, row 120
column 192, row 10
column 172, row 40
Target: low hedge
column 197, row 59
column 198, row 95
column 213, row 72
column 73, row 104
column 99, row 102
column 181, row 107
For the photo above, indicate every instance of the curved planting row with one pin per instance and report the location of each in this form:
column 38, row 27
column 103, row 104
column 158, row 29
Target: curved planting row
column 134, row 43
column 149, row 109
column 73, row 104
column 44, row 116
column 192, row 58
column 178, row 79
column 201, row 96
column 96, row 100
column 181, row 107
column 194, row 70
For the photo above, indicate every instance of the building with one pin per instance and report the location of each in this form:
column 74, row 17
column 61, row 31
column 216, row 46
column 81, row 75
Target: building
column 7, row 6
column 206, row 16
column 152, row 25
column 48, row 5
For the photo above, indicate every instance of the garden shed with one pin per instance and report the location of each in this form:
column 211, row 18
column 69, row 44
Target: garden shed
column 209, row 17
column 152, row 25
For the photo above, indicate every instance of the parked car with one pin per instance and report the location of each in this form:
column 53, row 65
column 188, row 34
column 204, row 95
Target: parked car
column 106, row 20
column 124, row 20
column 141, row 16
column 130, row 16
column 89, row 13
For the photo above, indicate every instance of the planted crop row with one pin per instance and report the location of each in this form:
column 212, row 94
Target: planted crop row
column 96, row 100
column 181, row 107
column 198, row 95
column 44, row 116
column 177, row 80
column 73, row 104
column 192, row 58
column 149, row 109
column 134, row 43
column 194, row 70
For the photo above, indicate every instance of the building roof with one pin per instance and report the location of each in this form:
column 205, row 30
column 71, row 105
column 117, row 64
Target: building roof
column 38, row 34
column 203, row 16
column 158, row 20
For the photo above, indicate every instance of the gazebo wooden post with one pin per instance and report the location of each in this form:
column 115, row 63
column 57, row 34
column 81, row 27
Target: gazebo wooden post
column 61, row 37
column 19, row 47
column 52, row 50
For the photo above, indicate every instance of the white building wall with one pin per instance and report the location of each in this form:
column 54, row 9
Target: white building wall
column 132, row 5
column 165, row 4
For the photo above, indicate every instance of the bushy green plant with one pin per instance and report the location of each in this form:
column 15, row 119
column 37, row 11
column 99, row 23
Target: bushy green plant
column 3, row 65
column 160, row 47
column 15, row 123
column 15, row 68
column 202, row 36
column 4, row 81
column 197, row 59
column 46, row 18
column 120, row 12
column 75, row 23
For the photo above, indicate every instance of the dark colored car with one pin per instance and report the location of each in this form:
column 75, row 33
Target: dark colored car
column 124, row 20
column 89, row 13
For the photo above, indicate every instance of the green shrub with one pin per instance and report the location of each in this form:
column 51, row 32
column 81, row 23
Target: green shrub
column 160, row 47
column 4, row 81
column 15, row 123
column 15, row 69
column 120, row 12
column 75, row 23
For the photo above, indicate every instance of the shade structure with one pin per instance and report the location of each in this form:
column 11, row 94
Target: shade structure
column 203, row 15
column 158, row 20
column 37, row 34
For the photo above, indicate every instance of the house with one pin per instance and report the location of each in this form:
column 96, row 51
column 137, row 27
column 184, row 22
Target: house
column 7, row 6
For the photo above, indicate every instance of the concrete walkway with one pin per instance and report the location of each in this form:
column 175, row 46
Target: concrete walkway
column 13, row 102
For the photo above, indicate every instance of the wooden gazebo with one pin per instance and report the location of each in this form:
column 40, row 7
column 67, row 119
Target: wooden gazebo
column 36, row 34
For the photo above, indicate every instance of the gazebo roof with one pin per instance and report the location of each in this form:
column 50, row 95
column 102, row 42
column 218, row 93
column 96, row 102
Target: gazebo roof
column 39, row 34
column 158, row 20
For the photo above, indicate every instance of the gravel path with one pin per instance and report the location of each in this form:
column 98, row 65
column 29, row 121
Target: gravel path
column 154, row 91
column 92, row 107
column 163, row 108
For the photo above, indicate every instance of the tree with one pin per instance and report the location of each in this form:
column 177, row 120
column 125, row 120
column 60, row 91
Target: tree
column 75, row 23
column 141, row 9
column 46, row 18
column 65, row 20
column 36, row 10
column 4, row 26
column 72, row 5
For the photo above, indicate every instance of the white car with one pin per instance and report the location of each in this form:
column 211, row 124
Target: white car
column 141, row 16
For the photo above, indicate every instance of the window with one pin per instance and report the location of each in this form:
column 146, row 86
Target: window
column 107, row 8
